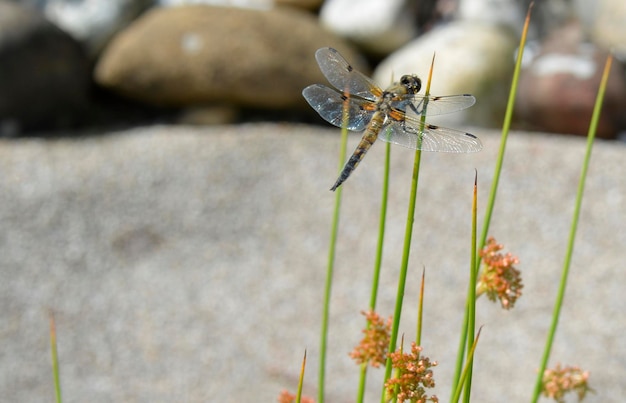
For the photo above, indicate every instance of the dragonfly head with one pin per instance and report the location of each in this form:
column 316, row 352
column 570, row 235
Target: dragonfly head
column 412, row 83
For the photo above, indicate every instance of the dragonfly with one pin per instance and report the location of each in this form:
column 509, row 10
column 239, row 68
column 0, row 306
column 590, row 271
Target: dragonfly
column 394, row 115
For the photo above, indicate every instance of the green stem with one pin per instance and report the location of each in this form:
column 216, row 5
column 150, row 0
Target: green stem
column 329, row 272
column 378, row 262
column 471, row 296
column 505, row 130
column 381, row 229
column 456, row 395
column 572, row 235
column 408, row 233
column 494, row 185
column 420, row 310
column 301, row 380
column 55, row 360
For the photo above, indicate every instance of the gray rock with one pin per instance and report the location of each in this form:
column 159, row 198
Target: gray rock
column 193, row 55
column 92, row 22
column 44, row 73
column 188, row 264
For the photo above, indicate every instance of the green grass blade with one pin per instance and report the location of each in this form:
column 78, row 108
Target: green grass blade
column 470, row 359
column 55, row 359
column 301, row 380
column 408, row 233
column 505, row 129
column 471, row 297
column 331, row 261
column 460, row 358
column 420, row 310
column 378, row 261
column 595, row 117
column 381, row 228
column 506, row 125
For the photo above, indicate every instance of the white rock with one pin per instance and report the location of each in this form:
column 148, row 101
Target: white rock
column 92, row 22
column 470, row 58
column 379, row 26
column 252, row 4
column 607, row 27
column 496, row 12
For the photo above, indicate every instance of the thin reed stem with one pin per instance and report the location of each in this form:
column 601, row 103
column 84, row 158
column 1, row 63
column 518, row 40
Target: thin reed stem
column 55, row 359
column 408, row 233
column 301, row 380
column 494, row 187
column 470, row 359
column 505, row 129
column 471, row 295
column 595, row 117
column 420, row 310
column 378, row 261
column 331, row 259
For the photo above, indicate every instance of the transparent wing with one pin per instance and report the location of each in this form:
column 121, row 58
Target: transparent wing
column 437, row 105
column 344, row 77
column 329, row 104
column 430, row 138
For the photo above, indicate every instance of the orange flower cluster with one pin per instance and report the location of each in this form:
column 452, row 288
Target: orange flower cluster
column 557, row 382
column 413, row 377
column 499, row 279
column 373, row 347
column 286, row 397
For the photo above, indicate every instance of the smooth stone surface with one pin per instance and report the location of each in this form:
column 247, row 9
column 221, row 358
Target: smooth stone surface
column 187, row 264
column 194, row 55
column 379, row 27
column 558, row 89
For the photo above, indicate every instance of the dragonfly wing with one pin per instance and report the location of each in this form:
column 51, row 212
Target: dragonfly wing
column 436, row 105
column 344, row 77
column 430, row 138
column 330, row 103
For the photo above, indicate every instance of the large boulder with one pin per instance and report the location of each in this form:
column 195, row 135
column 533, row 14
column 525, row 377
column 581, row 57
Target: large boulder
column 194, row 55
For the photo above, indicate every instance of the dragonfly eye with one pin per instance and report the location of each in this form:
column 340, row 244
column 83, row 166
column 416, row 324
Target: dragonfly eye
column 412, row 83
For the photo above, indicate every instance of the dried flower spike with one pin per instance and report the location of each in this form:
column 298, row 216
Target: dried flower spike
column 373, row 347
column 559, row 381
column 499, row 278
column 286, row 397
column 413, row 377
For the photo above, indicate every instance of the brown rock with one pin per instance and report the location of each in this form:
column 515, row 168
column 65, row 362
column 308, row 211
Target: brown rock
column 558, row 90
column 200, row 54
column 304, row 4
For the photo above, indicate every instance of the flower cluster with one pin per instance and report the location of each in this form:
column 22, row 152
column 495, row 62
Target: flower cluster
column 373, row 347
column 286, row 397
column 413, row 377
column 558, row 381
column 499, row 279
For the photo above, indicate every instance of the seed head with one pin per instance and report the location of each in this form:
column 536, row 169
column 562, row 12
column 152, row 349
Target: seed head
column 413, row 376
column 286, row 397
column 499, row 278
column 373, row 347
column 559, row 381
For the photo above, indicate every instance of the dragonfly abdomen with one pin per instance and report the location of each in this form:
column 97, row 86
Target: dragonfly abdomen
column 369, row 137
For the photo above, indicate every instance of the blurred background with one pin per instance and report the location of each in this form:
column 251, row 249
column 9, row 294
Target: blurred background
column 164, row 194
column 92, row 63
